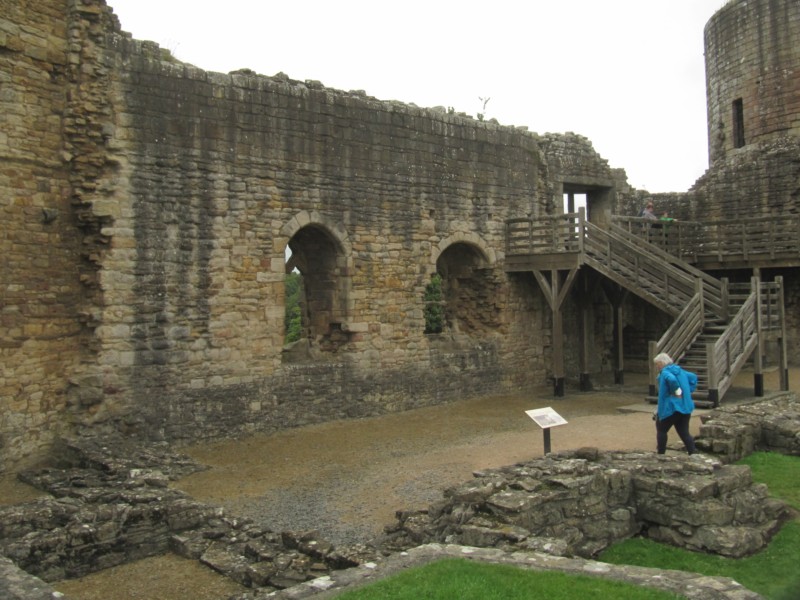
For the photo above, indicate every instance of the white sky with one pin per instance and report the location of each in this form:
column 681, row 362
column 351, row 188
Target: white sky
column 627, row 74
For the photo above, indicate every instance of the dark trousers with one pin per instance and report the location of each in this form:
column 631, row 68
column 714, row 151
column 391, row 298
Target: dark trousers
column 681, row 423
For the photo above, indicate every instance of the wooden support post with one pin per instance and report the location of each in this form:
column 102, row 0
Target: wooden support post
column 558, row 353
column 616, row 295
column 726, row 299
column 555, row 292
column 758, row 359
column 782, row 357
column 713, row 381
column 585, row 384
column 546, row 431
column 619, row 373
column 651, row 354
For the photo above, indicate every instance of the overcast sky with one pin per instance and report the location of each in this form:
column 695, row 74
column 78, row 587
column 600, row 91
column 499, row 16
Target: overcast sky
column 627, row 74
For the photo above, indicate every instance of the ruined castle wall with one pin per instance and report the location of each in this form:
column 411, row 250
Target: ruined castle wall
column 760, row 180
column 751, row 60
column 147, row 208
column 207, row 177
column 39, row 241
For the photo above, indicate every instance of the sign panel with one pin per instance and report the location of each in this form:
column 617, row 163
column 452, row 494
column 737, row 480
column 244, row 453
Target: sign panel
column 546, row 417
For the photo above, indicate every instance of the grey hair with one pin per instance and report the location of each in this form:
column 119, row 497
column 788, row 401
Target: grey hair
column 663, row 359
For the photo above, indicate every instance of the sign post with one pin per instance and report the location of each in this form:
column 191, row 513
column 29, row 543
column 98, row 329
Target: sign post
column 546, row 418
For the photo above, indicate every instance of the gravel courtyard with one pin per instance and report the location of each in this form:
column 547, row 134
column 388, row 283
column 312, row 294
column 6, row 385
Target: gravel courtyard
column 346, row 479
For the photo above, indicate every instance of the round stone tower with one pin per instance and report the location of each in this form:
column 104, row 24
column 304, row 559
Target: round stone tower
column 752, row 74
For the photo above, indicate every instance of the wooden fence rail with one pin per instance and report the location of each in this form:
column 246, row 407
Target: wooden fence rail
column 728, row 353
column 721, row 241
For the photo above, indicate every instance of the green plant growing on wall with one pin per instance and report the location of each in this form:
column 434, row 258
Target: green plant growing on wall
column 434, row 305
column 292, row 320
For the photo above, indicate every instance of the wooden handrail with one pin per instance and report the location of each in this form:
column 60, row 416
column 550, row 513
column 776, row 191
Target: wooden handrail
column 670, row 288
column 727, row 355
column 715, row 292
column 623, row 258
column 684, row 330
column 721, row 240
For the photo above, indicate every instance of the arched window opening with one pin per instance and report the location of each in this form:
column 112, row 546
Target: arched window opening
column 315, row 294
column 468, row 290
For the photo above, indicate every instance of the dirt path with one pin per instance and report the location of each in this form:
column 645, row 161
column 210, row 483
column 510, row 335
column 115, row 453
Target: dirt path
column 347, row 479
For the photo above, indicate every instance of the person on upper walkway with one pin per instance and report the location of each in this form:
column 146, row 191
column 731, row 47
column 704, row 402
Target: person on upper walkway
column 648, row 212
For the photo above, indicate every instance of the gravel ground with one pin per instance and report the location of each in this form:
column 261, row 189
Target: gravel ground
column 346, row 479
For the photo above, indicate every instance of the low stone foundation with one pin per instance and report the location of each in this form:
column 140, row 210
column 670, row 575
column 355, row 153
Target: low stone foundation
column 770, row 425
column 583, row 501
column 111, row 503
column 115, row 506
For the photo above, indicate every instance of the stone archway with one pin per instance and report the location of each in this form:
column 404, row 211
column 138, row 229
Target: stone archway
column 320, row 252
column 469, row 285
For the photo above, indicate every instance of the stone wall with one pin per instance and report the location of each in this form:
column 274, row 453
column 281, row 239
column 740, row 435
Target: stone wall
column 218, row 174
column 110, row 504
column 759, row 180
column 752, row 57
column 172, row 198
column 39, row 241
column 149, row 207
column 770, row 425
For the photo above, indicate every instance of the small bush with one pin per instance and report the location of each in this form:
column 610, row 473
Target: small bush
column 434, row 305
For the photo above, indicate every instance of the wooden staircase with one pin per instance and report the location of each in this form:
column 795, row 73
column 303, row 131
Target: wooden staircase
column 714, row 331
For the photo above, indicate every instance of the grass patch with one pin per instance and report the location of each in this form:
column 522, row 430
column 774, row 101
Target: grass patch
column 467, row 580
column 781, row 473
column 772, row 572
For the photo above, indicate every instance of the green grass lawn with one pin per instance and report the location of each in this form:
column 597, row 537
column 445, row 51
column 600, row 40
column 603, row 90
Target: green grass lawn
column 772, row 572
column 462, row 579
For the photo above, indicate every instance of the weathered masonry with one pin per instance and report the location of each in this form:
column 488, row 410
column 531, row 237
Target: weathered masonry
column 147, row 211
column 148, row 208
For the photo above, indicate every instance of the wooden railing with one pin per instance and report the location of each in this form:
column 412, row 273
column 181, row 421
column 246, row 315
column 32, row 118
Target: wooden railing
column 632, row 255
column 721, row 241
column 679, row 238
column 715, row 291
column 767, row 237
column 681, row 334
column 727, row 355
column 636, row 269
column 544, row 235
column 654, row 274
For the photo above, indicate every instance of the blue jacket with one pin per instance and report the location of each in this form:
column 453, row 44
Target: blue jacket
column 670, row 379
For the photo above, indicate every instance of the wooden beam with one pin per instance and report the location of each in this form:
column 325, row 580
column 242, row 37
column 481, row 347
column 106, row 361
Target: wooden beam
column 584, row 300
column 555, row 291
column 546, row 288
column 617, row 294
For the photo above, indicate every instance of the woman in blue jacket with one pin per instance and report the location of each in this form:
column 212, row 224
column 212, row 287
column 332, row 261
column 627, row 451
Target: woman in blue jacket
column 675, row 405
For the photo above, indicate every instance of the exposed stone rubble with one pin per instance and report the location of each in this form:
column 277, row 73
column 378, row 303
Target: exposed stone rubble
column 115, row 506
column 16, row 584
column 733, row 432
column 588, row 500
